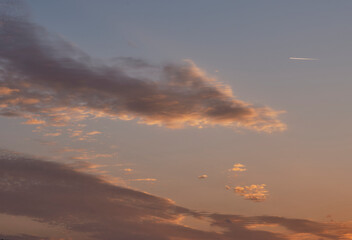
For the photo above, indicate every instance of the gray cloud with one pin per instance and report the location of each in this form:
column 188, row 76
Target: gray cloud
column 20, row 237
column 59, row 195
column 45, row 78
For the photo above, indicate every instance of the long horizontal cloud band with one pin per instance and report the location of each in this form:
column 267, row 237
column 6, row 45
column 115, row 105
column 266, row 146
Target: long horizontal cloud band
column 57, row 194
column 43, row 76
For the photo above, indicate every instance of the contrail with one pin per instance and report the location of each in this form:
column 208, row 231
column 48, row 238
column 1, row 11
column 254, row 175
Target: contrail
column 304, row 59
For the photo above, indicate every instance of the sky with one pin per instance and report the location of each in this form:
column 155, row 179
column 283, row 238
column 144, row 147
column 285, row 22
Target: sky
column 175, row 120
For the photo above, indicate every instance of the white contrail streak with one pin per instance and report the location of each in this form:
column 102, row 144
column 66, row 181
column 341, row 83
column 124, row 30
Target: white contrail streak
column 304, row 59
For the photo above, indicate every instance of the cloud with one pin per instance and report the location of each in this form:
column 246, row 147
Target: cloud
column 7, row 91
column 256, row 193
column 22, row 237
column 203, row 176
column 58, row 195
column 52, row 134
column 87, row 156
column 144, row 180
column 33, row 121
column 93, row 133
column 238, row 167
column 69, row 85
column 303, row 59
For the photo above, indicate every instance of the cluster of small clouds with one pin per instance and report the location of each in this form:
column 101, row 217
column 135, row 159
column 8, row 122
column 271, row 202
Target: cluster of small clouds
column 238, row 167
column 49, row 81
column 89, row 206
column 254, row 192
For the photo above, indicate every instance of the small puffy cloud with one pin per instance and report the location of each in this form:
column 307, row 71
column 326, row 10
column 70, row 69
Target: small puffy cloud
column 256, row 193
column 93, row 133
column 238, row 167
column 128, row 169
column 203, row 176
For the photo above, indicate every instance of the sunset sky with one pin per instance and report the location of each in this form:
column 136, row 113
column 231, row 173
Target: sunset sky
column 175, row 120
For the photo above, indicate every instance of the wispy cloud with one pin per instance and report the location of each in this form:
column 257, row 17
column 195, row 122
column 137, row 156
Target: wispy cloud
column 59, row 195
column 33, row 121
column 93, row 133
column 143, row 180
column 71, row 86
column 303, row 59
column 52, row 134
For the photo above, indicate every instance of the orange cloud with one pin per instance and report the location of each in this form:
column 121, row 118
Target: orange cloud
column 93, row 133
column 203, row 176
column 256, row 193
column 144, row 180
column 7, row 91
column 34, row 121
column 238, row 167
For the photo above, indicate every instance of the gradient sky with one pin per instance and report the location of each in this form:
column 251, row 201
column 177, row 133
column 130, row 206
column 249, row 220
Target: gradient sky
column 157, row 101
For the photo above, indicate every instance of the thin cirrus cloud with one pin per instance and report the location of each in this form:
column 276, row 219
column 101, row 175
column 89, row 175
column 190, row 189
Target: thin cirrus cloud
column 65, row 85
column 89, row 206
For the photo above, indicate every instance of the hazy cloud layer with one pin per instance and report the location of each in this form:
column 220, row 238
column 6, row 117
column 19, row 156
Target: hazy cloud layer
column 47, row 80
column 59, row 195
